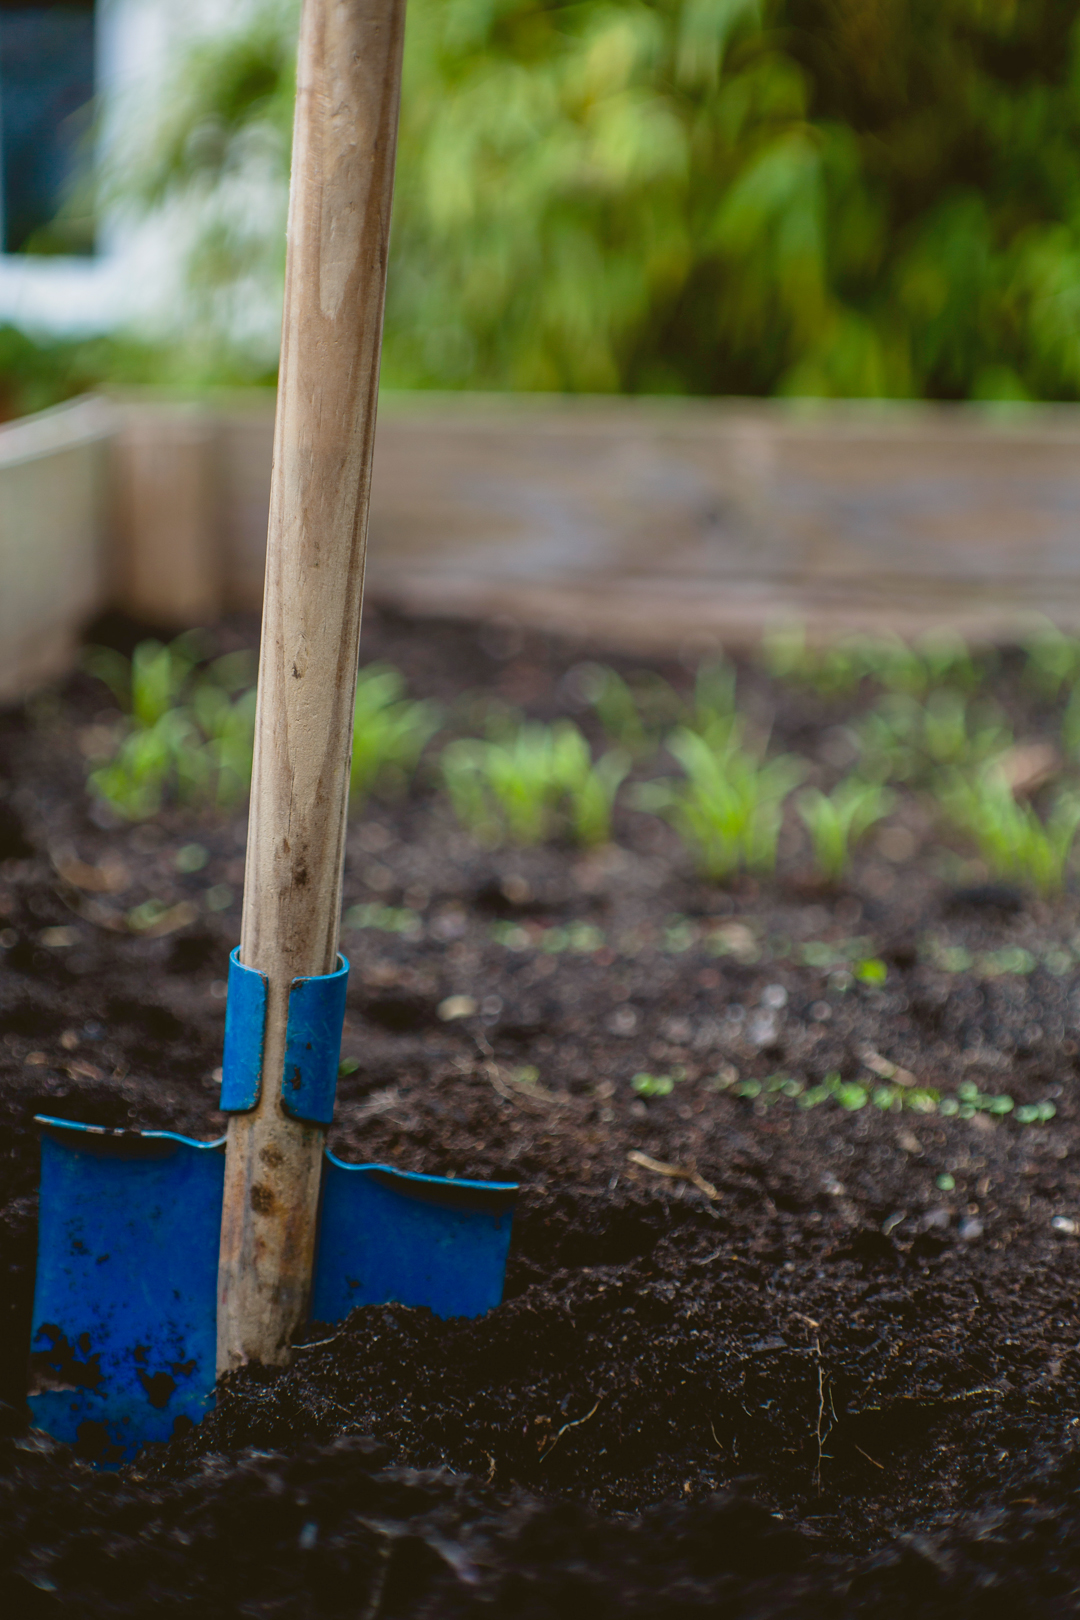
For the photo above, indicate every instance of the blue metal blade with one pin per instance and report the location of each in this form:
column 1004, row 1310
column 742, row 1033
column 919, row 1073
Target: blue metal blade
column 124, row 1332
column 386, row 1235
column 124, row 1328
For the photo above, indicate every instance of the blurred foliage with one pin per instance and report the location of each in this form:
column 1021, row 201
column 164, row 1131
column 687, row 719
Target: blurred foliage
column 37, row 371
column 823, row 197
column 535, row 782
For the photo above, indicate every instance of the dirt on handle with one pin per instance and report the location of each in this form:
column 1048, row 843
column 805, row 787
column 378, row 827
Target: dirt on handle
column 755, row 1358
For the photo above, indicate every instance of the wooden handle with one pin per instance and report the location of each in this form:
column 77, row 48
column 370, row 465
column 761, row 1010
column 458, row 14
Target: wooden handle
column 348, row 83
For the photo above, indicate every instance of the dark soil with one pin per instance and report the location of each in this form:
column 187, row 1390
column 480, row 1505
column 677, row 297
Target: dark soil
column 829, row 1368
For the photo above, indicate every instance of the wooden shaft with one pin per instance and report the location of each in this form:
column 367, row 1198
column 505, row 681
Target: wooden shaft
column 348, row 82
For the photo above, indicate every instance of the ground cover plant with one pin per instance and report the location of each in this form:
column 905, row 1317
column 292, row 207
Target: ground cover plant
column 791, row 1320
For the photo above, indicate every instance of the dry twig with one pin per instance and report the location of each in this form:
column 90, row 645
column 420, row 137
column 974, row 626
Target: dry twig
column 553, row 1442
column 534, row 1098
column 820, row 1431
column 677, row 1172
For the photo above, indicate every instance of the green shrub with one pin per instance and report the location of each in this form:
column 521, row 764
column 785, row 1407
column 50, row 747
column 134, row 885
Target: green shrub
column 537, row 781
column 707, row 196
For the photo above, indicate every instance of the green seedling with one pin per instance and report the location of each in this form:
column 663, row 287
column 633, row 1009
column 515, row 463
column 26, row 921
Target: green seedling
column 1070, row 723
column 714, row 715
column 189, row 728
column 577, row 938
column 385, row 919
column 1053, row 661
column 540, row 780
column 616, row 708
column 1009, row 835
column 837, row 821
column 134, row 781
column 903, row 740
column 938, row 659
column 390, row 733
column 184, row 736
column 635, row 713
column 653, row 1085
column 853, row 1095
column 839, row 668
column 1006, row 960
column 149, row 684
column 831, row 671
column 228, row 726
column 729, row 807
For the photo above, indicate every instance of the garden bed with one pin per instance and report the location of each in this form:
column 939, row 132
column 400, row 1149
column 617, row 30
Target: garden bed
column 791, row 1320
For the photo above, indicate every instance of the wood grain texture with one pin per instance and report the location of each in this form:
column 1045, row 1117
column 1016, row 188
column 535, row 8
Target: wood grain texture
column 349, row 74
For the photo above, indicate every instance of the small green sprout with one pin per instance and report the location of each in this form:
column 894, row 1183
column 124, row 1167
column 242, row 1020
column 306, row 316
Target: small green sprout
column 831, row 671
column 1035, row 1113
column 871, row 970
column 776, row 1085
column 386, row 919
column 390, row 732
column 524, row 788
column 714, row 716
column 904, row 740
column 839, row 668
column 653, row 1085
column 969, row 1101
column 680, row 934
column 189, row 728
column 838, row 821
column 228, row 725
column 937, row 659
column 152, row 682
column 946, row 1182
column 853, row 1095
column 729, row 808
column 1053, row 660
column 1007, row 959
column 147, row 761
column 1010, row 837
column 159, row 751
column 1070, row 723
column 952, row 958
column 848, row 1093
column 633, row 713
column 616, row 708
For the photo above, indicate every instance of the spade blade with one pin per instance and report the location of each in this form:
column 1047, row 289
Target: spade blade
column 123, row 1345
column 124, row 1332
